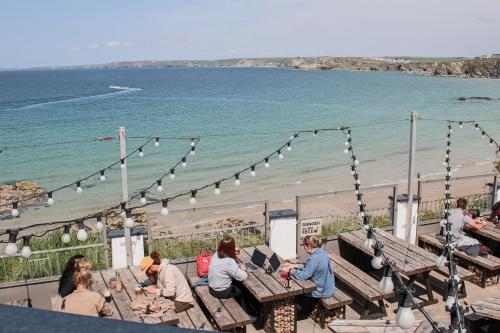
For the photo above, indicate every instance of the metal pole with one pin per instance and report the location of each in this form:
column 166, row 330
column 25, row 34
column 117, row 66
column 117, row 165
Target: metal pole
column 411, row 174
column 494, row 194
column 266, row 222
column 123, row 153
column 297, row 225
column 105, row 242
column 393, row 205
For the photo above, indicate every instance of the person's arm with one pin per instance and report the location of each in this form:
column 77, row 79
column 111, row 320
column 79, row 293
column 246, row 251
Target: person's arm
column 167, row 286
column 476, row 223
column 236, row 272
column 308, row 271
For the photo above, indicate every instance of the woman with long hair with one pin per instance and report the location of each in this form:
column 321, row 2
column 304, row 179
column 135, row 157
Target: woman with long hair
column 83, row 301
column 66, row 285
column 169, row 280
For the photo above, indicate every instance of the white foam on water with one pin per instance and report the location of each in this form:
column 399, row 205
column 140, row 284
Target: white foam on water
column 123, row 88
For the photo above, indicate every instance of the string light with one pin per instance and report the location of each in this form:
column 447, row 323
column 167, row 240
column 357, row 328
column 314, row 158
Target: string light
column 172, row 174
column 386, row 283
column 280, row 155
column 14, row 212
column 143, row 198
column 369, row 241
column 289, row 146
column 315, row 133
column 252, row 172
column 99, row 225
column 102, row 178
column 11, row 248
column 157, row 142
column 66, row 237
column 192, row 200
column 217, row 188
column 377, row 258
column 129, row 221
column 164, row 208
column 405, row 317
column 237, row 181
column 79, row 187
column 461, row 124
column 184, row 163
column 122, row 163
column 82, row 234
column 141, row 152
column 160, row 187
column 192, row 150
column 26, row 250
column 266, row 163
column 192, row 142
column 450, row 296
column 50, row 199
column 123, row 207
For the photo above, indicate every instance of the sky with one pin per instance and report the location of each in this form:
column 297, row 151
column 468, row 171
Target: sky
column 76, row 32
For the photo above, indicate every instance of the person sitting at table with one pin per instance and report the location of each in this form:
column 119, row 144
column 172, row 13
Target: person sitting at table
column 495, row 212
column 223, row 271
column 170, row 282
column 458, row 218
column 317, row 269
column 83, row 301
column 66, row 285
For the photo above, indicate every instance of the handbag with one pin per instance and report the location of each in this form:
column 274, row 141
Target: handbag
column 203, row 261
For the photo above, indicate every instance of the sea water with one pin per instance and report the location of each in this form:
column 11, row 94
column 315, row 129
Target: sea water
column 51, row 118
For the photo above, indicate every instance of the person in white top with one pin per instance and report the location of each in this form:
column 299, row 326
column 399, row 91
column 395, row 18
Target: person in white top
column 458, row 218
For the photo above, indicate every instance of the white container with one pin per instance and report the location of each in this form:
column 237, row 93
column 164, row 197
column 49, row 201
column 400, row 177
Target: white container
column 119, row 253
column 283, row 233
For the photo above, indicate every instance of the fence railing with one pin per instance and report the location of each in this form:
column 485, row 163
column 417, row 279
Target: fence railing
column 434, row 209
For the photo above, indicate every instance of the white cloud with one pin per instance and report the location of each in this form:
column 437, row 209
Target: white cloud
column 94, row 46
column 116, row 43
column 76, row 48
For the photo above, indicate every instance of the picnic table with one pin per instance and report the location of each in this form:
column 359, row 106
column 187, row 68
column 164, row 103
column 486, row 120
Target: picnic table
column 490, row 231
column 277, row 300
column 489, row 307
column 376, row 326
column 408, row 259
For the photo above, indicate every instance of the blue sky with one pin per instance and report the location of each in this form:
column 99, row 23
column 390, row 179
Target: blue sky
column 71, row 32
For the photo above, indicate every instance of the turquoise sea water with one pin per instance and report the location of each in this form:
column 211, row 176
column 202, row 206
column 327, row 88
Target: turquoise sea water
column 242, row 114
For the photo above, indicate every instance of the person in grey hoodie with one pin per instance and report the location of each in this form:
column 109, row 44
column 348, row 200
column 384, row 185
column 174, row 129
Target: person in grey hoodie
column 223, row 270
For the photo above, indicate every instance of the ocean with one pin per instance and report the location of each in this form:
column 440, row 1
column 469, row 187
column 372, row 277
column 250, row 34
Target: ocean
column 51, row 118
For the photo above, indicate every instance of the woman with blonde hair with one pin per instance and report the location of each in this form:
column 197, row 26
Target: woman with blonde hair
column 83, row 301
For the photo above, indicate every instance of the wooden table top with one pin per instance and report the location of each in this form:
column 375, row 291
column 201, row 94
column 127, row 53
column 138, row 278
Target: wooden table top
column 375, row 326
column 120, row 303
column 490, row 231
column 409, row 259
column 270, row 287
column 489, row 307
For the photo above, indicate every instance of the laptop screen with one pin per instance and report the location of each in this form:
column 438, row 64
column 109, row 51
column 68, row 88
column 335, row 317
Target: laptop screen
column 275, row 262
column 258, row 258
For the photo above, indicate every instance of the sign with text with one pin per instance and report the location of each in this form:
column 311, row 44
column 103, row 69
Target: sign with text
column 310, row 227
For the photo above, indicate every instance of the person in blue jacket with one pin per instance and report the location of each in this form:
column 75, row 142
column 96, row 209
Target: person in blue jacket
column 316, row 269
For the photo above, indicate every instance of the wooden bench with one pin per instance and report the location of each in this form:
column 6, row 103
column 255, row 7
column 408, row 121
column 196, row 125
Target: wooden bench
column 463, row 274
column 485, row 268
column 362, row 284
column 376, row 326
column 339, row 300
column 227, row 314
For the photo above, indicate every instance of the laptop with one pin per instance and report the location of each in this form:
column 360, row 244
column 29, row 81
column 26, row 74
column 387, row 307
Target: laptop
column 257, row 262
column 274, row 263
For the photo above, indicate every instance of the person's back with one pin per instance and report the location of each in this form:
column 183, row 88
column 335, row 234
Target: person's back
column 318, row 270
column 83, row 302
column 221, row 272
column 172, row 279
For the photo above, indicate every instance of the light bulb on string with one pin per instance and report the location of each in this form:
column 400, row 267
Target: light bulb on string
column 192, row 152
column 386, row 283
column 123, row 207
column 82, row 234
column 450, row 298
column 237, row 179
column 369, row 241
column 172, row 174
column 315, row 132
column 99, row 225
column 141, row 152
column 164, row 207
column 122, row 163
column 26, row 250
column 266, row 163
column 491, row 142
column 66, row 237
column 377, row 261
column 289, row 146
column 159, row 187
column 143, row 198
column 476, row 126
column 50, row 199
column 14, row 212
column 442, row 223
column 441, row 260
column 192, row 200
column 184, row 163
column 280, row 155
column 217, row 188
column 102, row 178
column 405, row 317
column 483, row 134
column 461, row 124
column 353, row 170
column 192, row 143
column 11, row 248
column 252, row 171
column 79, row 187
column 129, row 222
column 157, row 142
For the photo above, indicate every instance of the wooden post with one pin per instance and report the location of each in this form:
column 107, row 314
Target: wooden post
column 123, row 153
column 393, row 205
column 266, row 222
column 411, row 175
column 105, row 242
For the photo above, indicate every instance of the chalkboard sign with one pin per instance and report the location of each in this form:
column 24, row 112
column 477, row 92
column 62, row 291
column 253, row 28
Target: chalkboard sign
column 310, row 227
